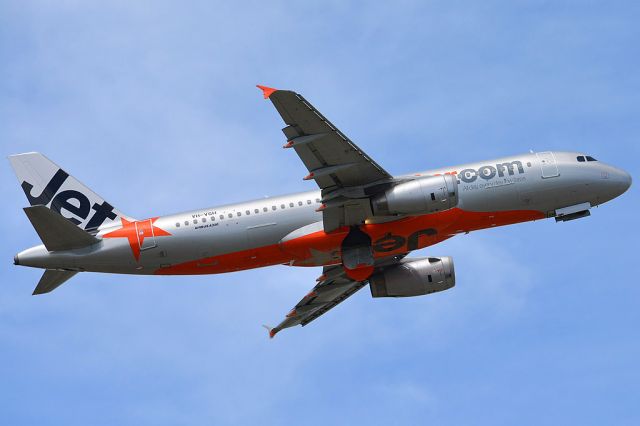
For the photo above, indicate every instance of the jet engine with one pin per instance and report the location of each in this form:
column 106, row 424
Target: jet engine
column 414, row 277
column 419, row 196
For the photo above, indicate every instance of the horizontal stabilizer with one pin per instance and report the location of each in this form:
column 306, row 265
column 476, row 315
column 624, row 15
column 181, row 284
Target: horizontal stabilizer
column 52, row 279
column 56, row 232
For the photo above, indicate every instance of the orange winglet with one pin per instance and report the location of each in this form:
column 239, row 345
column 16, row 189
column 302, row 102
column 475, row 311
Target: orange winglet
column 266, row 91
column 271, row 330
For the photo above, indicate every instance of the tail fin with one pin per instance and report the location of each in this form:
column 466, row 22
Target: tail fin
column 56, row 232
column 52, row 279
column 46, row 184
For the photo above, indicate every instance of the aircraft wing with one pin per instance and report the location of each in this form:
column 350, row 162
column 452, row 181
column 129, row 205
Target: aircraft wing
column 333, row 287
column 346, row 175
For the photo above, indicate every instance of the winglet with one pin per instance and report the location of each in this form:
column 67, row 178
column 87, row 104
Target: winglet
column 272, row 331
column 266, row 91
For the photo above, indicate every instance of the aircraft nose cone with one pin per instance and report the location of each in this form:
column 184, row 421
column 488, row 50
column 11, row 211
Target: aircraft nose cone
column 610, row 183
column 625, row 179
column 622, row 181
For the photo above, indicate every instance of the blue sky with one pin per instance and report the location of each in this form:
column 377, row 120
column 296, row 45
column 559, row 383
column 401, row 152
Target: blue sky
column 153, row 105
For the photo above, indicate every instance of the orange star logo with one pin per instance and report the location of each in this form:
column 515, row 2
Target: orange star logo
column 136, row 232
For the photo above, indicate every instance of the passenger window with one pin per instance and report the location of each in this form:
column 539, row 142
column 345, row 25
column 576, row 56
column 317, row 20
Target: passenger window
column 256, row 211
column 274, row 208
column 238, row 214
column 195, row 221
column 247, row 212
column 221, row 216
column 264, row 209
column 581, row 159
column 317, row 200
column 590, row 158
column 186, row 223
column 290, row 204
column 308, row 201
column 230, row 215
column 299, row 203
column 282, row 206
column 177, row 224
column 204, row 219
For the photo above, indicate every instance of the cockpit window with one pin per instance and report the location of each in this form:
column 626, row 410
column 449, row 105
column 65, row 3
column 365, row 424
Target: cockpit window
column 581, row 158
column 590, row 158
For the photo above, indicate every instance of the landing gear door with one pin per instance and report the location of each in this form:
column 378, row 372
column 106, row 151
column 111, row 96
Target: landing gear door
column 146, row 236
column 548, row 164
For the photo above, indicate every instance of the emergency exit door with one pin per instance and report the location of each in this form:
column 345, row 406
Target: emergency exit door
column 145, row 234
column 548, row 165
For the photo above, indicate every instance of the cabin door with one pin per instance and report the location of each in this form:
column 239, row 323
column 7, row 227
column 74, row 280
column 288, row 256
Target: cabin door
column 548, row 165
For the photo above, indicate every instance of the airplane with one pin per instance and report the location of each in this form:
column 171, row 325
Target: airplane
column 359, row 226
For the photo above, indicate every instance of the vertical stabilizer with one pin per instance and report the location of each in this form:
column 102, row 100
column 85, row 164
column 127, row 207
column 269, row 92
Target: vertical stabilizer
column 46, row 184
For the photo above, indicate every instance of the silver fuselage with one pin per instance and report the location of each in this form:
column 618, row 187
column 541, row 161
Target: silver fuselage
column 255, row 233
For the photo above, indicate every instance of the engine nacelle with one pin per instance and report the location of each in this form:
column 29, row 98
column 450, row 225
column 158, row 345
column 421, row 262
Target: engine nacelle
column 414, row 277
column 419, row 196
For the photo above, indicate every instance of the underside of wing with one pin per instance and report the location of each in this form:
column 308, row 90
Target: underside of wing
column 333, row 287
column 346, row 175
column 332, row 159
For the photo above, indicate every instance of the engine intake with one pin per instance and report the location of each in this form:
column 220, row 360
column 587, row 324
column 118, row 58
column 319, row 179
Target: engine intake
column 420, row 196
column 414, row 277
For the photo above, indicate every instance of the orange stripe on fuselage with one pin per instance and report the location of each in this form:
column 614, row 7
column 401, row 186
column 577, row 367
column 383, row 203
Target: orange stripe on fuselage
column 388, row 239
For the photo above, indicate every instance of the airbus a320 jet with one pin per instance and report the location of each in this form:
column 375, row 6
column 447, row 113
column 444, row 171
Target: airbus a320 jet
column 359, row 226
